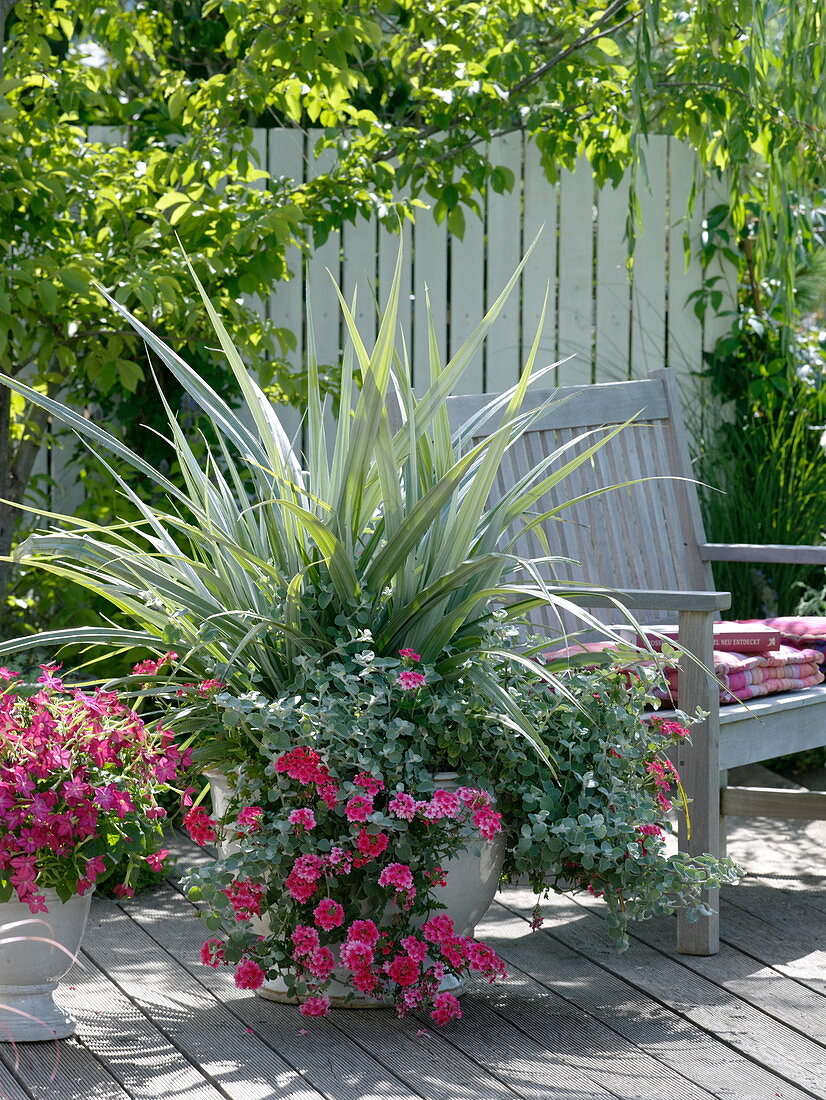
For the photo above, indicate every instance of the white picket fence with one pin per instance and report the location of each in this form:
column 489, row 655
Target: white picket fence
column 615, row 322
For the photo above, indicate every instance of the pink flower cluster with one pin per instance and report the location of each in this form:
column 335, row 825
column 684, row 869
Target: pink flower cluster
column 664, row 775
column 341, row 850
column 152, row 668
column 77, row 770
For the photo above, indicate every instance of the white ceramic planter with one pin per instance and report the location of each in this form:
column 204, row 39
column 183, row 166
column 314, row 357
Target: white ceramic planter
column 36, row 950
column 472, row 881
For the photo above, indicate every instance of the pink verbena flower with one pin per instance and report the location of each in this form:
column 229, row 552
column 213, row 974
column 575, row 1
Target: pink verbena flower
column 488, row 822
column 356, row 955
column 305, row 940
column 322, row 963
column 249, row 818
column 301, row 764
column 200, row 826
column 673, row 729
column 212, row 953
column 245, row 897
column 445, row 1008
column 650, row 830
column 409, row 655
column 309, row 867
column 416, row 949
column 439, row 929
column 364, row 931
column 398, row 876
column 372, row 845
column 410, row 681
column 298, row 888
column 370, row 783
column 402, row 805
column 249, row 975
column 443, row 804
column 315, row 1006
column 207, row 689
column 359, row 807
column 328, row 914
column 303, row 817
column 403, row 970
column 484, row 960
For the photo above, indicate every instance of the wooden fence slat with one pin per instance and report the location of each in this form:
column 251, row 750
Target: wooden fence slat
column 358, row 274
column 389, row 243
column 539, row 273
column 576, row 254
column 429, row 271
column 467, row 297
column 504, row 232
column 685, row 329
column 613, row 289
column 285, row 159
column 649, row 272
column 324, row 261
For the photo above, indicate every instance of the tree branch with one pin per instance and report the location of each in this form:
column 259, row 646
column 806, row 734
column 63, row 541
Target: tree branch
column 584, row 40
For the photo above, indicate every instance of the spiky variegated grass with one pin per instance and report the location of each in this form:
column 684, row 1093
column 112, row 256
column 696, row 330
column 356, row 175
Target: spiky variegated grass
column 252, row 558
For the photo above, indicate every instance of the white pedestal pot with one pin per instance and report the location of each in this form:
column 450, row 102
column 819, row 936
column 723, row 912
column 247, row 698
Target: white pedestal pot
column 472, row 880
column 36, row 950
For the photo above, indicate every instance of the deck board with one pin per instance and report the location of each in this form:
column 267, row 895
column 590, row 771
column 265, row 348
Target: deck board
column 573, row 1021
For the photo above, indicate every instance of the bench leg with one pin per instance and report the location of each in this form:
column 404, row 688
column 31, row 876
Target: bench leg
column 699, row 768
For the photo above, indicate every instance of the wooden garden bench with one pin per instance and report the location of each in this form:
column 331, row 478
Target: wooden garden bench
column 646, row 542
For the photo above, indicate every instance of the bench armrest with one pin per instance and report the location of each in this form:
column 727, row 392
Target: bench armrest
column 651, row 599
column 784, row 555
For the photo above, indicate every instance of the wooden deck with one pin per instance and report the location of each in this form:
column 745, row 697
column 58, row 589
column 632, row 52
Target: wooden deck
column 574, row 1020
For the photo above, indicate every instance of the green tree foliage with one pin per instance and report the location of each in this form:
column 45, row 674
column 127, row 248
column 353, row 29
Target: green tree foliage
column 406, row 91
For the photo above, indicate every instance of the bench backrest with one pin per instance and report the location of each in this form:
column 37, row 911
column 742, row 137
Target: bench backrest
column 644, row 535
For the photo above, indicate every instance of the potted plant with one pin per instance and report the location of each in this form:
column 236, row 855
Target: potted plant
column 79, row 778
column 330, row 886
column 364, row 727
column 290, row 584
